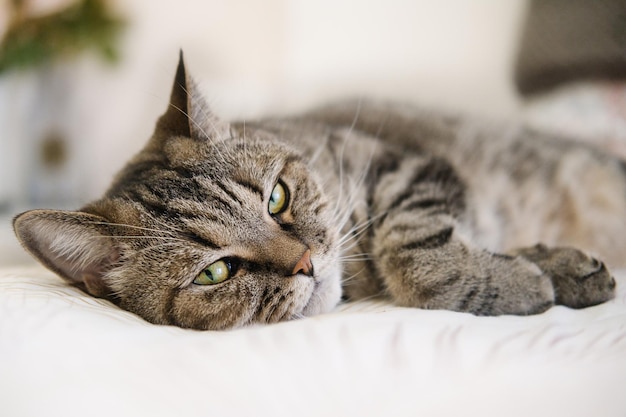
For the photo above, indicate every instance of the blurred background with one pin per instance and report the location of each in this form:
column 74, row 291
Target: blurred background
column 83, row 81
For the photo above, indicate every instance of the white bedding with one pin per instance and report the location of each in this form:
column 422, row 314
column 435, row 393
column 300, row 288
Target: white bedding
column 63, row 353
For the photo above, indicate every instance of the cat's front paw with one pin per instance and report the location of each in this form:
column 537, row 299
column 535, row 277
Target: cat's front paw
column 579, row 280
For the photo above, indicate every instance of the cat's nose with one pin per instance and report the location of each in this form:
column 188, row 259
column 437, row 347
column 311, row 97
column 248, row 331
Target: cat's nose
column 304, row 265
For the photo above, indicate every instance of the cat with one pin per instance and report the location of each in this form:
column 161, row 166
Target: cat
column 217, row 225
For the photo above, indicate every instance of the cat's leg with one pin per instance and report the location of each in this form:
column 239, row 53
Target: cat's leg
column 579, row 280
column 430, row 266
column 426, row 260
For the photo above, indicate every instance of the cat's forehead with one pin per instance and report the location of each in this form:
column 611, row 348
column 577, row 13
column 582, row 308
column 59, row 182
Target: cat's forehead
column 215, row 190
column 232, row 156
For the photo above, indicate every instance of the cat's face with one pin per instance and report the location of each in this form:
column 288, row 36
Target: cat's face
column 232, row 232
column 202, row 229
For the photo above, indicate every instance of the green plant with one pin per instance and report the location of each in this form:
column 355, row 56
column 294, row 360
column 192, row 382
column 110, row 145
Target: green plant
column 35, row 41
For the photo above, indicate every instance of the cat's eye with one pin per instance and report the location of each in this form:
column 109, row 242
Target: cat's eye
column 215, row 273
column 279, row 199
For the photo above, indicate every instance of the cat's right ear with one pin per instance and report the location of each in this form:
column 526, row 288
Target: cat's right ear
column 75, row 245
column 188, row 113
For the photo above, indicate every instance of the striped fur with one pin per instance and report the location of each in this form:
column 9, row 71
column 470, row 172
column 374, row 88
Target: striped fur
column 387, row 200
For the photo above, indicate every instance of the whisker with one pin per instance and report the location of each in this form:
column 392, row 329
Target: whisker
column 206, row 114
column 347, row 280
column 349, row 207
column 355, row 255
column 358, row 229
column 354, row 261
column 356, row 258
column 155, row 247
column 196, row 124
column 130, row 226
column 167, row 225
column 318, row 152
column 139, row 237
column 370, row 297
column 343, row 148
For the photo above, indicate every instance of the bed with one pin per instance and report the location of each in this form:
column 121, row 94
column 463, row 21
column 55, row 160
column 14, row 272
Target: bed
column 63, row 353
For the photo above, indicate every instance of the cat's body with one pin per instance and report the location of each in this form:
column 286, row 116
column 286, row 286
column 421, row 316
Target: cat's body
column 217, row 225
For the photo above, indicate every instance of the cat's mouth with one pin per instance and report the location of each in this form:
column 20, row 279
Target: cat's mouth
column 326, row 291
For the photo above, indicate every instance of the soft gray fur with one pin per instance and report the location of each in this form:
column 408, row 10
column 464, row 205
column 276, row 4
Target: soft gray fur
column 368, row 199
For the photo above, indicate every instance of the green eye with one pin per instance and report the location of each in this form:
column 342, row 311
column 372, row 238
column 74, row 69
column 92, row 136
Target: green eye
column 279, row 200
column 215, row 273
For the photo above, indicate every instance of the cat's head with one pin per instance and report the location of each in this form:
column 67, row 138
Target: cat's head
column 203, row 228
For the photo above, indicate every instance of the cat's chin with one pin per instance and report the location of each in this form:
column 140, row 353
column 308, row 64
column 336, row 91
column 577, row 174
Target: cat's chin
column 325, row 295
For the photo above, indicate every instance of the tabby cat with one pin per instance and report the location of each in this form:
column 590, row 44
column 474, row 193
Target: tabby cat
column 215, row 225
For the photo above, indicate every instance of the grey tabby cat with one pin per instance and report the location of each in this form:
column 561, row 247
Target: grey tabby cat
column 216, row 225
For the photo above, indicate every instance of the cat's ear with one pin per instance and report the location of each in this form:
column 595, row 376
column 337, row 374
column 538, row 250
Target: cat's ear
column 188, row 113
column 75, row 245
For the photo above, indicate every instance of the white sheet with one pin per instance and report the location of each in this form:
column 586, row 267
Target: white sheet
column 63, row 353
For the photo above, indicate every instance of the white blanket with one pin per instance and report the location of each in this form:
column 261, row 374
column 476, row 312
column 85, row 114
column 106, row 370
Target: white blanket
column 63, row 353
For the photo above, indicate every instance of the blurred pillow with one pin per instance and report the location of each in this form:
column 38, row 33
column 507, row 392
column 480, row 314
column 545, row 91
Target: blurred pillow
column 566, row 40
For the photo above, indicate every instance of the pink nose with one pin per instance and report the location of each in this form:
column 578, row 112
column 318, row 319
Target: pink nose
column 304, row 265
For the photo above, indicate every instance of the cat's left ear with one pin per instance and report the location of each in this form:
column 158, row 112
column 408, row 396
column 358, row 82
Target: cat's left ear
column 75, row 245
column 188, row 113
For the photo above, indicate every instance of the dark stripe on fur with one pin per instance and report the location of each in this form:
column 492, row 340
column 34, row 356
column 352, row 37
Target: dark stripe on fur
column 157, row 208
column 469, row 296
column 318, row 209
column 287, row 227
column 385, row 164
column 290, row 159
column 431, row 242
column 168, row 308
column 425, row 204
column 227, row 191
column 451, row 281
column 145, row 171
column 252, row 187
column 153, row 206
column 443, row 182
column 261, row 303
column 489, row 296
column 202, row 241
column 170, row 188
